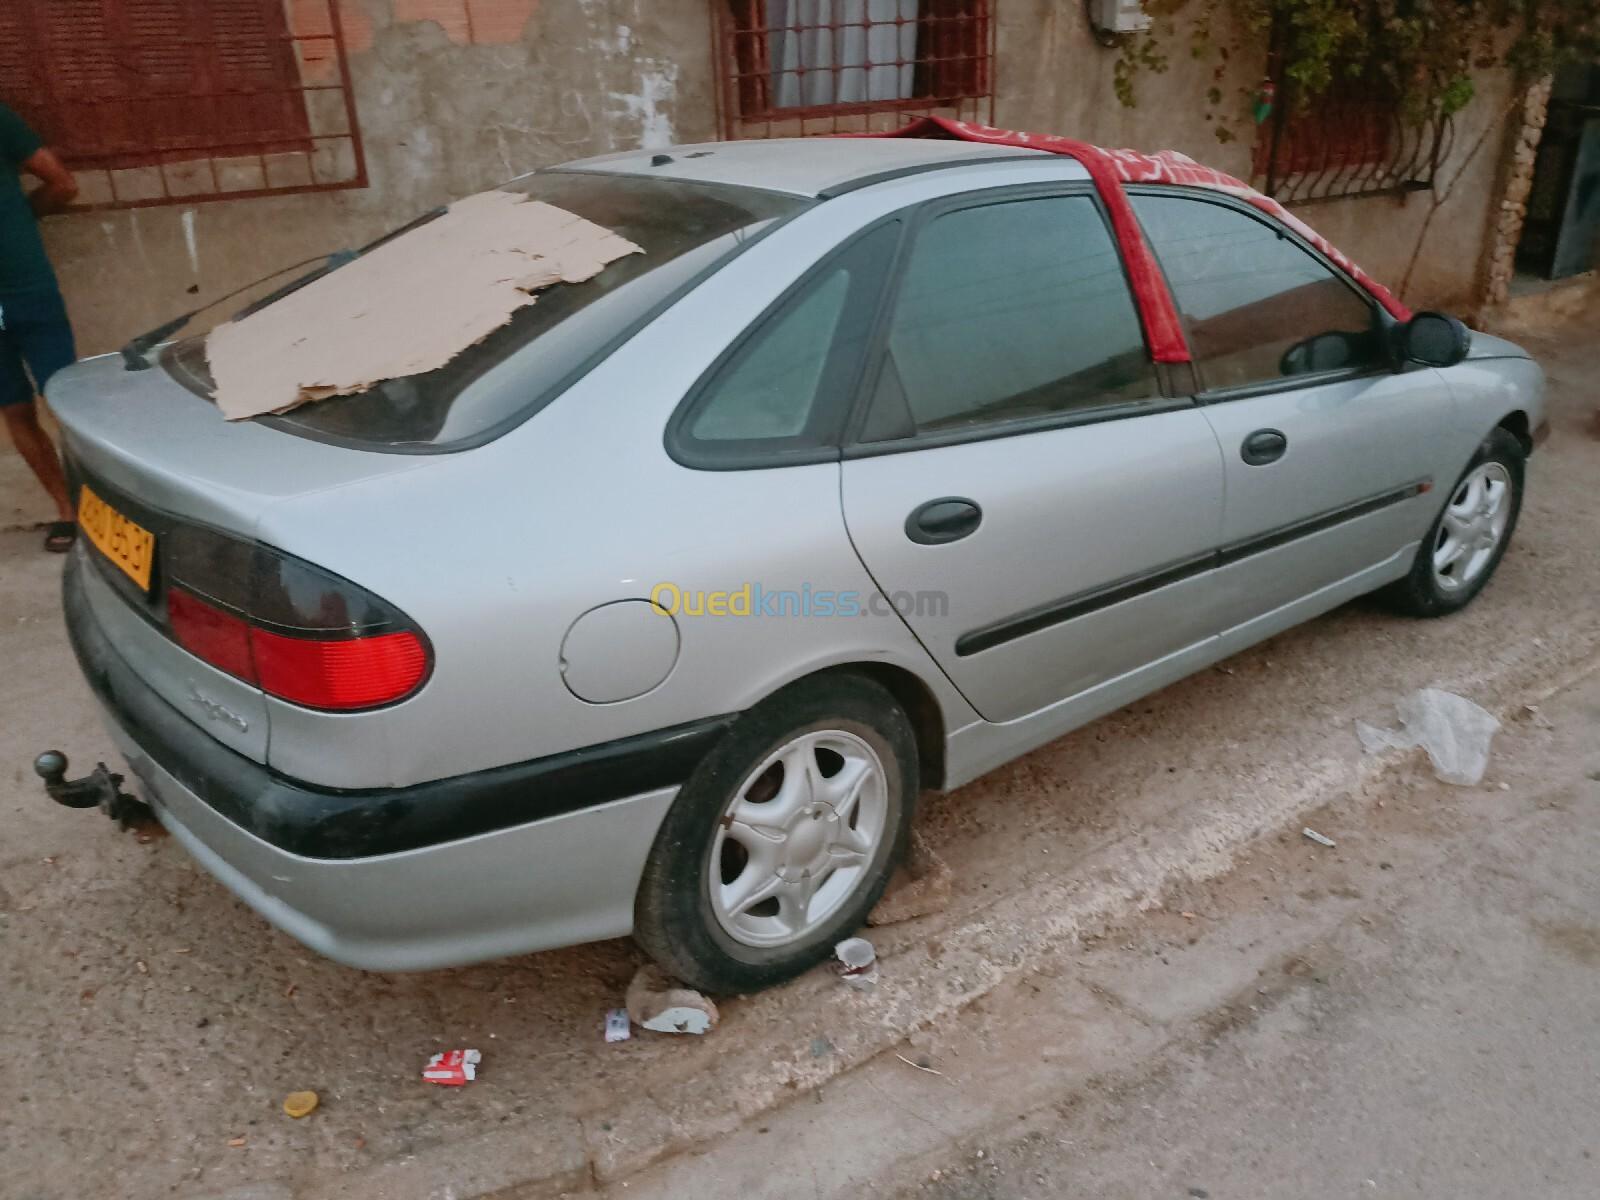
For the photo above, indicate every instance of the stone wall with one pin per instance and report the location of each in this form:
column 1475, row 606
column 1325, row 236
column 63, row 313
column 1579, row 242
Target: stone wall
column 1516, row 180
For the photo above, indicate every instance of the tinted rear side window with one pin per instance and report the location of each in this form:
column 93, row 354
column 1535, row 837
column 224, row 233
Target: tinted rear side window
column 782, row 395
column 685, row 229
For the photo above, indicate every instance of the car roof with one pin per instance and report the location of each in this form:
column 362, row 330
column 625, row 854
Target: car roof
column 808, row 166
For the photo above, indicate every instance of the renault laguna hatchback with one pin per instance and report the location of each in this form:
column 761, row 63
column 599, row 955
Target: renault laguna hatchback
column 871, row 465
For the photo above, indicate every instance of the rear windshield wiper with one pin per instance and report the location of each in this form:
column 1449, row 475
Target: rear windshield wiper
column 135, row 353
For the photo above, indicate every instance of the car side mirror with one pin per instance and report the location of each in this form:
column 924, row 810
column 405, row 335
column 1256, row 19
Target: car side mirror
column 1435, row 340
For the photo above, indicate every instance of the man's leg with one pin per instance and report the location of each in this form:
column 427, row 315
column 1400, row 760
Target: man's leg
column 34, row 330
column 38, row 451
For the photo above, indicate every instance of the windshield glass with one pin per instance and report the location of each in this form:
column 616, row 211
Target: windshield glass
column 685, row 229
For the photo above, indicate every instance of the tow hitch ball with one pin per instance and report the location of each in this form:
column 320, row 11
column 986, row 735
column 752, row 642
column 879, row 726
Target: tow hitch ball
column 100, row 789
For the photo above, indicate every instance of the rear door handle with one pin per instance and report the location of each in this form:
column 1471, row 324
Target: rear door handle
column 1264, row 446
column 947, row 519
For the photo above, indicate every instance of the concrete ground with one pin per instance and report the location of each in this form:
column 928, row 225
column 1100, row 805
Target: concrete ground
column 1413, row 1012
column 1420, row 1018
column 152, row 1024
column 23, row 503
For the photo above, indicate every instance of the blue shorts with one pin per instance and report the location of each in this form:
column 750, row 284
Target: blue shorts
column 35, row 340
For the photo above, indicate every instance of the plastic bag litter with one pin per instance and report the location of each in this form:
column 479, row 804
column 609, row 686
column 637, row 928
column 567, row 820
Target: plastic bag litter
column 1452, row 729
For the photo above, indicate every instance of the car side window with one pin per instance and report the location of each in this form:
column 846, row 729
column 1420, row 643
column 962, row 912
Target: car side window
column 1256, row 305
column 1008, row 312
column 785, row 390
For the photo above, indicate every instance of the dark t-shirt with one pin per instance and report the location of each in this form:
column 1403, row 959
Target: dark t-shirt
column 23, row 265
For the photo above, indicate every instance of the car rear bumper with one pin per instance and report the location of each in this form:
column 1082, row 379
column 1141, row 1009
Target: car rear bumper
column 549, row 883
column 554, row 881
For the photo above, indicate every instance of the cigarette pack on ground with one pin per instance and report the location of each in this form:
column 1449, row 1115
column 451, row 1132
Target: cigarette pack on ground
column 452, row 1068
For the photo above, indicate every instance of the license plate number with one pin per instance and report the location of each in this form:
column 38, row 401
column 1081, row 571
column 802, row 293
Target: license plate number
column 130, row 546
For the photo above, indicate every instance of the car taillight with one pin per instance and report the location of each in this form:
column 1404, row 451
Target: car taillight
column 205, row 631
column 296, row 631
column 357, row 673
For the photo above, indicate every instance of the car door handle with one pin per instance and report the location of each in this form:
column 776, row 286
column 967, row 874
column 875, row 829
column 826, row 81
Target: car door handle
column 1264, row 446
column 947, row 519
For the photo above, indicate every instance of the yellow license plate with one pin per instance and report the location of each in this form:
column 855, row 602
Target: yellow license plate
column 126, row 543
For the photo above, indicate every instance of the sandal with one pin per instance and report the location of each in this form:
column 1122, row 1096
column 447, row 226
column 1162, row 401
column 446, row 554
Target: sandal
column 59, row 536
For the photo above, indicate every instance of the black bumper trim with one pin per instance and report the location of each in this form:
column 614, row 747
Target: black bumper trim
column 342, row 824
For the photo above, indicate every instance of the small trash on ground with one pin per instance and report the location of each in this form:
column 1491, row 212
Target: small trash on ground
column 300, row 1104
column 238, row 1141
column 659, row 1003
column 1453, row 730
column 925, row 1065
column 858, row 962
column 618, row 1027
column 1320, row 839
column 453, row 1068
column 921, row 887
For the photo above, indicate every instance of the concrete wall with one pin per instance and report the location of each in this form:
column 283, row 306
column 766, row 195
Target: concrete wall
column 455, row 95
column 452, row 96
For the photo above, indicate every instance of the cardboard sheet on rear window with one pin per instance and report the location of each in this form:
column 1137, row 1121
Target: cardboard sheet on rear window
column 407, row 306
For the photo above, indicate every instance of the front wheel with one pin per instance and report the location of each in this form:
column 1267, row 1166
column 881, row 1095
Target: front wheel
column 1469, row 537
column 784, row 837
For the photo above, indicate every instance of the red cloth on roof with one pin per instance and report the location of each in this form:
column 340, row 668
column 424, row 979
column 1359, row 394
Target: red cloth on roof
column 1110, row 169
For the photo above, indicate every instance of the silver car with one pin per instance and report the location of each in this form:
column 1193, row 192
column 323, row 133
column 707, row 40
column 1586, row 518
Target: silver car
column 655, row 611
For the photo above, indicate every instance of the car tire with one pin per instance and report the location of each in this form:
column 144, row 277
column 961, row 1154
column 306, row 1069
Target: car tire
column 736, row 831
column 1479, row 540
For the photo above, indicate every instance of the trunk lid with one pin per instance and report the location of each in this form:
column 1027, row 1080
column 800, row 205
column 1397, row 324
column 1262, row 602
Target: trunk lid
column 163, row 457
column 171, row 449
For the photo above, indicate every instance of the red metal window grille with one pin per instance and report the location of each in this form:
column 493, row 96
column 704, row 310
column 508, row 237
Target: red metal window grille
column 1353, row 139
column 165, row 101
column 787, row 67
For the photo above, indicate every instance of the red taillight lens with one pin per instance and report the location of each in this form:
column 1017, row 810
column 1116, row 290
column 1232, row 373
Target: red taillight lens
column 219, row 637
column 355, row 673
column 337, row 672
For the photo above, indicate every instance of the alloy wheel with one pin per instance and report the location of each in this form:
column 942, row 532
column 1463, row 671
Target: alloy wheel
column 1473, row 525
column 798, row 838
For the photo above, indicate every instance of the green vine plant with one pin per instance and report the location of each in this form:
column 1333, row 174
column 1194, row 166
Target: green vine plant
column 1422, row 52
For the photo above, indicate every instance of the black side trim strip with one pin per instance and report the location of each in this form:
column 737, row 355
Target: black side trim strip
column 1285, row 534
column 343, row 824
column 1083, row 603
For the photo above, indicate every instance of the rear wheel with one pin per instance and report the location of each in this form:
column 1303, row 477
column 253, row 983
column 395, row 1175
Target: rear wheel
column 1470, row 534
column 784, row 837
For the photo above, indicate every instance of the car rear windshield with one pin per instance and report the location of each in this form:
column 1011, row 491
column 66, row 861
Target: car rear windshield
column 686, row 231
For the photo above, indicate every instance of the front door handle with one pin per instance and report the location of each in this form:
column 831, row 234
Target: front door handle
column 947, row 519
column 1264, row 446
